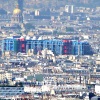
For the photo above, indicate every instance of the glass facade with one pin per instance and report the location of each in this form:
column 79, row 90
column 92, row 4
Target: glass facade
column 57, row 46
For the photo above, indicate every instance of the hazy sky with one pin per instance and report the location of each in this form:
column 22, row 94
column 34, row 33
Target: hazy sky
column 9, row 4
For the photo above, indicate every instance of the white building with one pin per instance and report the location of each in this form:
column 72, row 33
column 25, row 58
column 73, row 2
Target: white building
column 69, row 8
column 11, row 90
column 97, row 89
column 71, row 87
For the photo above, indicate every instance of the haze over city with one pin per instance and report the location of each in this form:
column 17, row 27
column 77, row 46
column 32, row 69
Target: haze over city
column 49, row 49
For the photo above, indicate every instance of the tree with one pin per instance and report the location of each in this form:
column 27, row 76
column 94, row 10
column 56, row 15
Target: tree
column 29, row 26
column 69, row 29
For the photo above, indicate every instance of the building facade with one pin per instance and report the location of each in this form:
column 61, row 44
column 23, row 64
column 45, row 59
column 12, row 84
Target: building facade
column 11, row 90
column 57, row 46
column 18, row 12
column 5, row 76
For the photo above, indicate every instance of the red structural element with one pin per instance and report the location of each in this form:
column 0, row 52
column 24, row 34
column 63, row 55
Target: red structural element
column 65, row 40
column 65, row 47
column 22, row 39
column 23, row 45
column 65, row 51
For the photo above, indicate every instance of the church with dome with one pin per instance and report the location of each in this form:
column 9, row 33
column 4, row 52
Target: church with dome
column 17, row 15
column 15, row 21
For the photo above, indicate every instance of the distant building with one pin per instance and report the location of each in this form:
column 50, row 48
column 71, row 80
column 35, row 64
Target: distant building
column 37, row 13
column 84, row 1
column 17, row 15
column 57, row 46
column 11, row 90
column 4, row 76
column 20, row 3
column 69, row 8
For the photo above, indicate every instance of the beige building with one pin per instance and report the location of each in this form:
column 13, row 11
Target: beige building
column 2, row 76
column 5, row 75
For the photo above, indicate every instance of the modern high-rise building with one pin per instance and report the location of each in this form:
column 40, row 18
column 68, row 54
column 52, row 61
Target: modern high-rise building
column 20, row 4
column 84, row 1
column 69, row 8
